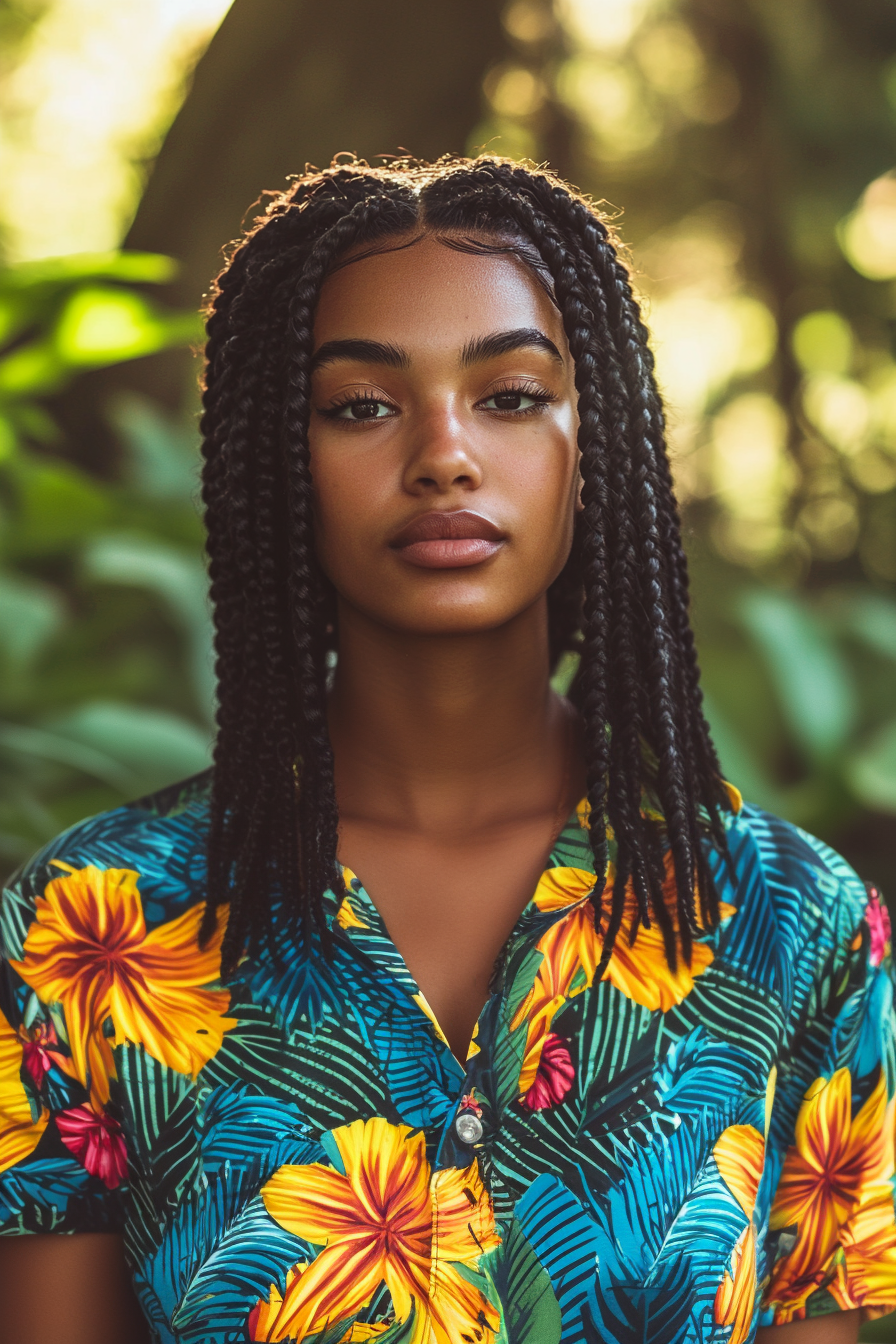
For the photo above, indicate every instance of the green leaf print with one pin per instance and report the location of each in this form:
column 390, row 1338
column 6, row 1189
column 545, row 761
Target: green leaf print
column 531, row 1312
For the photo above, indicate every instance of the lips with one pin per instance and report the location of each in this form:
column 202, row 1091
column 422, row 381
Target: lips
column 448, row 540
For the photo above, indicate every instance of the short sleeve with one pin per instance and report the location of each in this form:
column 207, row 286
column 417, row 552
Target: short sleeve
column 62, row 1153
column 832, row 1234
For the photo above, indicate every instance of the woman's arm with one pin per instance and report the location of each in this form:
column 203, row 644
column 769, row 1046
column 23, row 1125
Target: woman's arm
column 838, row 1328
column 74, row 1288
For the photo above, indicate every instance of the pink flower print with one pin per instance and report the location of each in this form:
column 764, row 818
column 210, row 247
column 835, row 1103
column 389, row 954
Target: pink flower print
column 96, row 1141
column 877, row 917
column 38, row 1056
column 468, row 1102
column 554, row 1077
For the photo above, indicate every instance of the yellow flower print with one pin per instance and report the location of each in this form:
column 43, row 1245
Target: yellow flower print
column 736, row 1295
column 740, row 1154
column 835, row 1187
column 423, row 1004
column 571, row 949
column 390, row 1220
column 347, row 916
column 19, row 1132
column 88, row 950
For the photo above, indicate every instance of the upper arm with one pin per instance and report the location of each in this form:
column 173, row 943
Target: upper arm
column 830, row 1162
column 842, row 1328
column 74, row 1288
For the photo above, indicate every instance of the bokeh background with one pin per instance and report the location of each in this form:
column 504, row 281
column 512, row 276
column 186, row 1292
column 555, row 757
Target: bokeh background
column 746, row 149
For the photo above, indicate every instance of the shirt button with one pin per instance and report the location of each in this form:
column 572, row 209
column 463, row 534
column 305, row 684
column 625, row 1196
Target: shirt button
column 468, row 1127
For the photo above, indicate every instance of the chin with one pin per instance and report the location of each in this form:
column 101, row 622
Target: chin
column 429, row 616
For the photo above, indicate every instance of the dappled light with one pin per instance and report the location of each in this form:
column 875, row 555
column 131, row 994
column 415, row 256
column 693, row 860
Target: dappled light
column 724, row 144
column 868, row 234
column 745, row 158
column 95, row 86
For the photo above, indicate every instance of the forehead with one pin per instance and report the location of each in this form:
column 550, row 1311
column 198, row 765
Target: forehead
column 428, row 293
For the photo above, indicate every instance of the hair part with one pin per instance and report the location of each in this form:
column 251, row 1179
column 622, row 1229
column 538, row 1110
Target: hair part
column 621, row 601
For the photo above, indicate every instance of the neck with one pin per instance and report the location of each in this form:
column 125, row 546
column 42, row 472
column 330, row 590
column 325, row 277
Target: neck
column 446, row 732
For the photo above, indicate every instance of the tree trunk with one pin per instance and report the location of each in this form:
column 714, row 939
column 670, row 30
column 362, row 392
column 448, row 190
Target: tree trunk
column 289, row 82
column 282, row 84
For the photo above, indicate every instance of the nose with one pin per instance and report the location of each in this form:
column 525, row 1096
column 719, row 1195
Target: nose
column 442, row 457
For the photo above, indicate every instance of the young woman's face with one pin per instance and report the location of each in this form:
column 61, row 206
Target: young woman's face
column 443, row 438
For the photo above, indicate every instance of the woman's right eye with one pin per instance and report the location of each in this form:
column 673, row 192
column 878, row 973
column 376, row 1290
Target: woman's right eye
column 361, row 409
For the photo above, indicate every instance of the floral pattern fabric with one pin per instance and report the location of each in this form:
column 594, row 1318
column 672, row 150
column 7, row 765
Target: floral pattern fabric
column 662, row 1155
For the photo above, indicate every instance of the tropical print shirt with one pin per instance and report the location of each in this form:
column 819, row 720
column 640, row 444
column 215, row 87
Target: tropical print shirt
column 662, row 1156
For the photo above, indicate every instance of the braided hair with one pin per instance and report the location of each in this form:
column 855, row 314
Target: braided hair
column 621, row 601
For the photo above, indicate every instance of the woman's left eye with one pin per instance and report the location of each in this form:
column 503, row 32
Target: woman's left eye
column 362, row 408
column 515, row 399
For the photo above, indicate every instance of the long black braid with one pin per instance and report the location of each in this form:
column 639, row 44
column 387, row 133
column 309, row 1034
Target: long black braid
column 621, row 601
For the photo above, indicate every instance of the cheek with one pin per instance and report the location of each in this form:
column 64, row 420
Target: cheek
column 350, row 497
column 545, row 485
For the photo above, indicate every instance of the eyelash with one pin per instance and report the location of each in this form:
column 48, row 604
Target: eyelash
column 352, row 399
column 523, row 388
column 519, row 387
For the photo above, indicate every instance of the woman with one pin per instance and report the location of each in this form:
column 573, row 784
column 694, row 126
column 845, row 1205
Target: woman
column 357, row 1080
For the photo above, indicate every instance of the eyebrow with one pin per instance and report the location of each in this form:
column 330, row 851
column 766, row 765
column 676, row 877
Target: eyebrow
column 504, row 342
column 367, row 352
column 474, row 352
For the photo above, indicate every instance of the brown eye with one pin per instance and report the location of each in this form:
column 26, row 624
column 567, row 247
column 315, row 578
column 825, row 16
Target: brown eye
column 516, row 399
column 361, row 409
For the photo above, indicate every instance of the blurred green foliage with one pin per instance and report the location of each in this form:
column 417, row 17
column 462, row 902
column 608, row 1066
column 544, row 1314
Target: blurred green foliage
column 105, row 651
column 799, row 690
column 751, row 149
column 750, row 145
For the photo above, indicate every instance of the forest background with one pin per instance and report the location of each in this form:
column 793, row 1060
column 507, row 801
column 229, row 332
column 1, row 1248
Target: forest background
column 745, row 149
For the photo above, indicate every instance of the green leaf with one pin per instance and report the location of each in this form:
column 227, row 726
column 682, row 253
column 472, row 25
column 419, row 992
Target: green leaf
column 178, row 577
column 57, row 505
column 31, row 370
column 810, row 677
column 739, row 764
column 530, row 1308
column 155, row 746
column 147, row 268
column 871, row 772
column 30, row 420
column 102, row 324
column 871, row 617
column 10, row 318
column 30, row 614
column 566, row 671
column 9, row 439
column 50, row 746
column 162, row 454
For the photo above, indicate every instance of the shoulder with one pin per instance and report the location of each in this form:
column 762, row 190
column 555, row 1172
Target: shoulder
column 155, row 844
column 802, row 911
column 801, row 875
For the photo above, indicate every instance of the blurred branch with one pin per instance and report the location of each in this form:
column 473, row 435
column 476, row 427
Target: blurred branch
column 285, row 84
column 757, row 172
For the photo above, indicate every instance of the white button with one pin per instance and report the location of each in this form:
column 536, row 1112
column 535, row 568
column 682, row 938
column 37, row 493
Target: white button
column 469, row 1127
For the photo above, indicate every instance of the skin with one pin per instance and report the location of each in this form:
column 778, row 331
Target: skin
column 452, row 755
column 440, row 669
